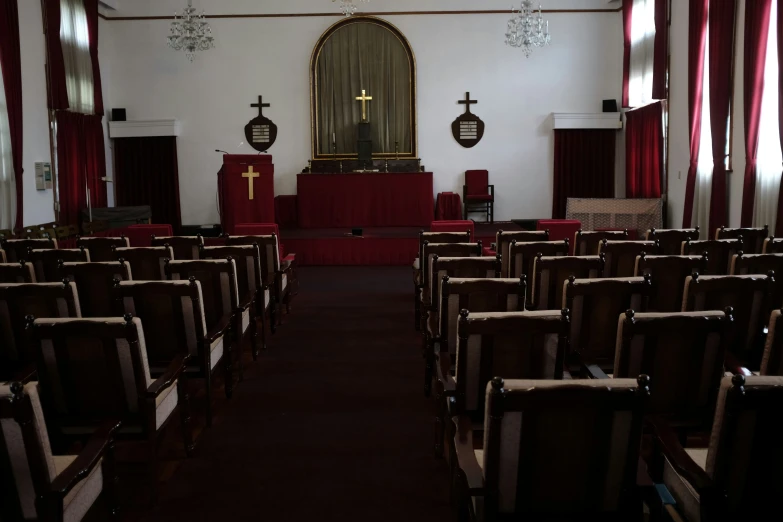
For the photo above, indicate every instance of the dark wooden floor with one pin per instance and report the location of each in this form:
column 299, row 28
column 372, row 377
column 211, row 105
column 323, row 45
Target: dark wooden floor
column 330, row 424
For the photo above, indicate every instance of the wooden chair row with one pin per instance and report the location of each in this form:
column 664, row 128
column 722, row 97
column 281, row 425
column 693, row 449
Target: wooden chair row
column 244, row 300
column 94, row 380
column 596, row 301
column 535, row 429
column 681, row 356
column 518, row 252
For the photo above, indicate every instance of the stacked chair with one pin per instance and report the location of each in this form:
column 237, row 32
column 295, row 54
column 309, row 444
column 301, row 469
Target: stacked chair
column 660, row 358
column 103, row 343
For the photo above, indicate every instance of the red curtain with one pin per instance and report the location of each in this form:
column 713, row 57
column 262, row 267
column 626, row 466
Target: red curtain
column 11, row 64
column 91, row 6
column 584, row 166
column 644, row 152
column 661, row 58
column 146, row 173
column 757, row 15
column 697, row 44
column 722, row 13
column 81, row 161
column 627, row 15
column 58, row 92
column 72, row 165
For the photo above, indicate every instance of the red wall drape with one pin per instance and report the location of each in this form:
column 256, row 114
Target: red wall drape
column 721, row 41
column 697, row 45
column 627, row 15
column 57, row 92
column 91, row 6
column 146, row 172
column 661, row 58
column 11, row 64
column 584, row 166
column 72, row 164
column 757, row 15
column 644, row 152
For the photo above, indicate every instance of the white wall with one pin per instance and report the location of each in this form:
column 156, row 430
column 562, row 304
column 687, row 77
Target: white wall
column 679, row 147
column 455, row 53
column 38, row 205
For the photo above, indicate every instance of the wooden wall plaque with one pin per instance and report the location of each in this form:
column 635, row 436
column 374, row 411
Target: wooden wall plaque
column 468, row 129
column 261, row 132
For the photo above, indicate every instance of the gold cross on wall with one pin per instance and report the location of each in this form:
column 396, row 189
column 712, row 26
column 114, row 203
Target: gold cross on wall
column 250, row 175
column 364, row 99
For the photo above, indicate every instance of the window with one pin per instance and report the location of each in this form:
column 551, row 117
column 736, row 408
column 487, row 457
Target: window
column 640, row 76
column 75, row 38
column 769, row 156
column 703, row 188
column 7, row 180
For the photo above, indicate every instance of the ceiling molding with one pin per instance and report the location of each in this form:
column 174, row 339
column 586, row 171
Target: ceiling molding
column 376, row 13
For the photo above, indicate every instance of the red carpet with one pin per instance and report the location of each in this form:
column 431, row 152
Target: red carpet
column 331, row 424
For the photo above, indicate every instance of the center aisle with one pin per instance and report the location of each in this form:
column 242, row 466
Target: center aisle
column 330, row 424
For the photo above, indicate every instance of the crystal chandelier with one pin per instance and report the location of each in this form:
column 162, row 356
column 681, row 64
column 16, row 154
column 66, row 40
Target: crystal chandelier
column 527, row 29
column 190, row 32
column 349, row 7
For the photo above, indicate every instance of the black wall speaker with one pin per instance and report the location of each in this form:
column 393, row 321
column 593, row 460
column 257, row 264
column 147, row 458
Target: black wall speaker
column 610, row 106
column 118, row 115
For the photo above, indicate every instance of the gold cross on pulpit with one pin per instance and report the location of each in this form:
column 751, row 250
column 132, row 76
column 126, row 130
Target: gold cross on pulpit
column 364, row 99
column 250, row 175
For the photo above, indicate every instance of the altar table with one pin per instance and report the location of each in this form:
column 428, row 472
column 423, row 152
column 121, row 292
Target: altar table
column 365, row 200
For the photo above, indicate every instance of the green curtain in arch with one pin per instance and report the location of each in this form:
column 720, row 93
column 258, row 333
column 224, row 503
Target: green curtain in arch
column 364, row 56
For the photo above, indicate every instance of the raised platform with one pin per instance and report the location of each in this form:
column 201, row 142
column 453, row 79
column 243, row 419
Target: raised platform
column 392, row 246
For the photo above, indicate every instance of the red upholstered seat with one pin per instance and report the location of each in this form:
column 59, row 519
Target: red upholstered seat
column 478, row 191
column 477, row 185
column 560, row 229
column 454, row 226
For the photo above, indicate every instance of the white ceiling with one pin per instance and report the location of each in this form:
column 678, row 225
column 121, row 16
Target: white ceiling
column 168, row 7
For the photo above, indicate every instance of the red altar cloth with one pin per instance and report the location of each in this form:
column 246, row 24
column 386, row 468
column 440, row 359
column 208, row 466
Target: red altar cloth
column 448, row 206
column 365, row 200
column 235, row 203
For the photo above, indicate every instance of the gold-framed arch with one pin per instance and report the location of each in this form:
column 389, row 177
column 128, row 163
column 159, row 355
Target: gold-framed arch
column 405, row 122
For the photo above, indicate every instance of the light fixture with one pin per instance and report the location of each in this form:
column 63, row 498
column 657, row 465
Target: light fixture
column 527, row 29
column 190, row 32
column 349, row 7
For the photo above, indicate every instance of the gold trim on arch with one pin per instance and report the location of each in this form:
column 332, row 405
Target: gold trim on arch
column 314, row 88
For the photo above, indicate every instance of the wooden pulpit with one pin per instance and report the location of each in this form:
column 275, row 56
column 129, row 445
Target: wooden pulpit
column 246, row 188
